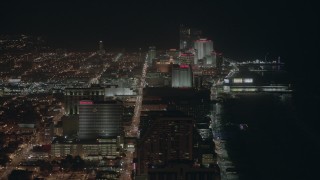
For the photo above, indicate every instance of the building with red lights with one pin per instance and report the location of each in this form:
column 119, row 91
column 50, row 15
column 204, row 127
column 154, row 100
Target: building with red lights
column 99, row 119
column 182, row 76
column 74, row 95
column 203, row 47
column 186, row 58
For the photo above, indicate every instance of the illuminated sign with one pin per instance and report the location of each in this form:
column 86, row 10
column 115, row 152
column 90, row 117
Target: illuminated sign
column 186, row 54
column 184, row 66
column 85, row 102
column 203, row 40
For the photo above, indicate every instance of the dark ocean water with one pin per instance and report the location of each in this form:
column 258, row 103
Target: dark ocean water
column 282, row 138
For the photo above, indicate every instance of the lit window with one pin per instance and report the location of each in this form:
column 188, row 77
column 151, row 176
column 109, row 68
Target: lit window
column 248, row 80
column 237, row 80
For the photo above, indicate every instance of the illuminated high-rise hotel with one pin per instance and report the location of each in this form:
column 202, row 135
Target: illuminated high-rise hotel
column 151, row 54
column 74, row 95
column 100, row 132
column 99, row 119
column 187, row 37
column 203, row 47
column 181, row 76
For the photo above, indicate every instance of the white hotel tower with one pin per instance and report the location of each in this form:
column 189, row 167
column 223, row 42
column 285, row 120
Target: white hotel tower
column 203, row 47
column 182, row 76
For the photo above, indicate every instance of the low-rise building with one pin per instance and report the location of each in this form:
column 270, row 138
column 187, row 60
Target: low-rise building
column 101, row 147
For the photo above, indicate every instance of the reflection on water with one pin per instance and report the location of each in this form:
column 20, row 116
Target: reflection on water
column 258, row 137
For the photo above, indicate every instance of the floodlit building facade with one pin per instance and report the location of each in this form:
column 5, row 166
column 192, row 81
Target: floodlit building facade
column 182, row 76
column 99, row 119
column 203, row 47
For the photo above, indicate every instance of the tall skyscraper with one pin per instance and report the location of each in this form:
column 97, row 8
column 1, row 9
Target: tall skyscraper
column 101, row 48
column 167, row 138
column 187, row 37
column 182, row 76
column 99, row 119
column 151, row 54
column 203, row 47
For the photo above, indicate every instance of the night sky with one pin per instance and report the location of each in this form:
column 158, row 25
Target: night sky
column 240, row 29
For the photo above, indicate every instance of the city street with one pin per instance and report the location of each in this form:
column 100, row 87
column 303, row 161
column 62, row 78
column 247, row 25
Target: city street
column 133, row 131
column 17, row 157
